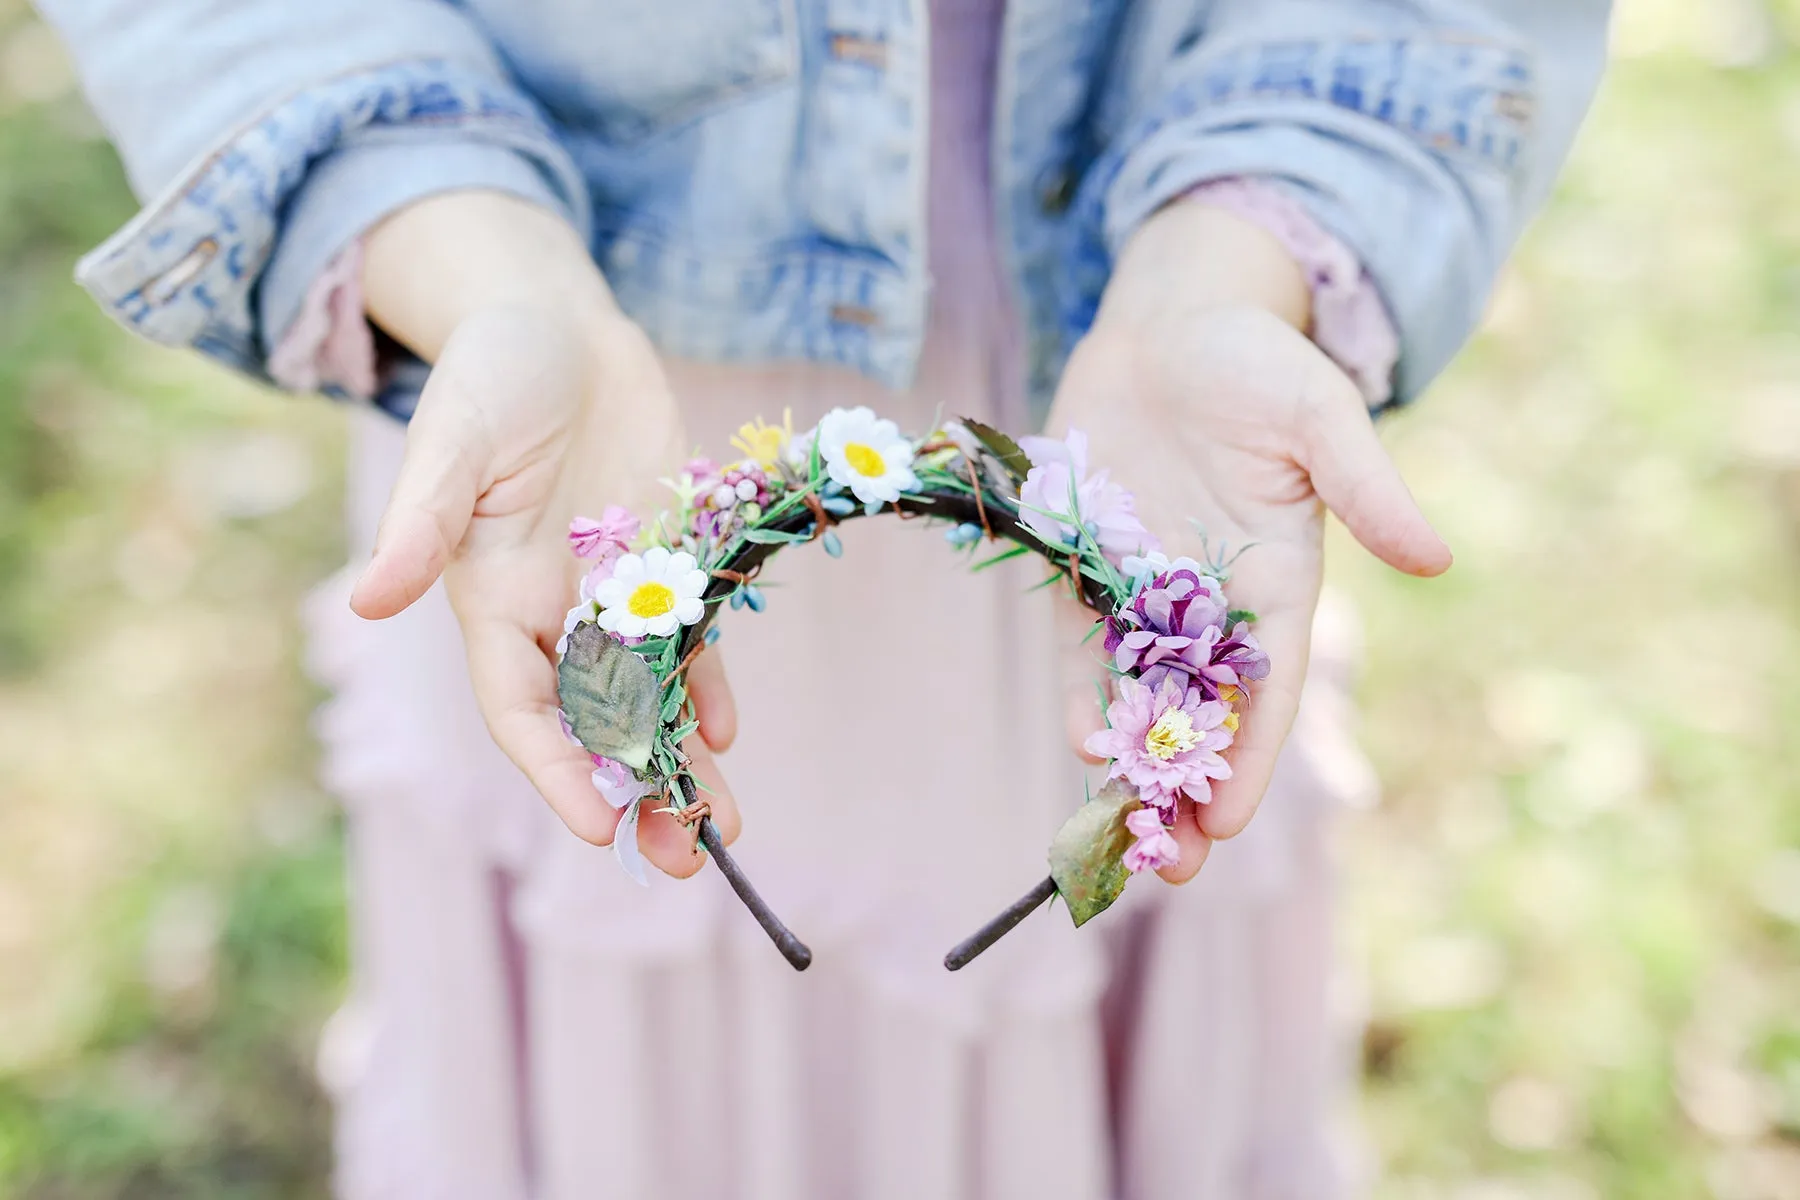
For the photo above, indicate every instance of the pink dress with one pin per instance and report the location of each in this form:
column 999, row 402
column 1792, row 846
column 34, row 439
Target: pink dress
column 525, row 1022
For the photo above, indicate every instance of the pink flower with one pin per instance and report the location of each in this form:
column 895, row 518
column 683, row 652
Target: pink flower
column 1155, row 847
column 608, row 537
column 702, row 470
column 1103, row 508
column 616, row 783
column 1166, row 741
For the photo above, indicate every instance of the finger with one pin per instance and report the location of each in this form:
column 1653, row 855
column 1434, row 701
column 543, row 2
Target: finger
column 1085, row 679
column 725, row 812
column 670, row 845
column 1264, row 723
column 1353, row 475
column 515, row 686
column 714, row 706
column 1195, row 845
column 432, row 501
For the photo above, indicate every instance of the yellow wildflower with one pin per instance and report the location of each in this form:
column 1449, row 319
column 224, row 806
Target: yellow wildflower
column 764, row 443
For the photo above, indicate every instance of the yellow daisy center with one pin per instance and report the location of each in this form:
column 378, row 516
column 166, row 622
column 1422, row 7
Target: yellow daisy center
column 1172, row 734
column 865, row 460
column 651, row 599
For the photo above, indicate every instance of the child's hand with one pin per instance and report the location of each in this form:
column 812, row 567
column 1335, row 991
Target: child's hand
column 544, row 403
column 1199, row 391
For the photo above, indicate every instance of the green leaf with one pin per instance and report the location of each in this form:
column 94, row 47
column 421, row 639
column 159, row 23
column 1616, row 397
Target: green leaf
column 610, row 696
column 671, row 707
column 1240, row 614
column 1087, row 854
column 1012, row 552
column 793, row 499
column 771, row 537
column 1003, row 448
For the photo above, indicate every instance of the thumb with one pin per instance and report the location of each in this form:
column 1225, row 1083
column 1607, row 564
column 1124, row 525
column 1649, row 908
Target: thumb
column 1355, row 478
column 714, row 706
column 433, row 499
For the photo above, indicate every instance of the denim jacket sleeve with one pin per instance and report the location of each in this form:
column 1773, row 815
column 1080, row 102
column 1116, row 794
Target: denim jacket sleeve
column 263, row 135
column 1423, row 135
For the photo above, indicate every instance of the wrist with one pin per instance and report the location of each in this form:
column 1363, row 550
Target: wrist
column 1189, row 259
column 434, row 265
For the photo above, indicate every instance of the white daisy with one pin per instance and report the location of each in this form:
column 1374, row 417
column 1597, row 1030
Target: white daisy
column 867, row 455
column 652, row 594
column 587, row 610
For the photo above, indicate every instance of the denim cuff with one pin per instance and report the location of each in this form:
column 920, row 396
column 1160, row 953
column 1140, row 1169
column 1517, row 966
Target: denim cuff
column 1406, row 151
column 350, row 190
column 185, row 270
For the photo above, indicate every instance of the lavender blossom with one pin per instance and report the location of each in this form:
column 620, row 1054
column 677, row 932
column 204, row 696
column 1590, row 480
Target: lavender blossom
column 1105, row 510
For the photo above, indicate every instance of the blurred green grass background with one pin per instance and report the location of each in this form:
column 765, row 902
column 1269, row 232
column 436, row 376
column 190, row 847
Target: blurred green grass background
column 1576, row 909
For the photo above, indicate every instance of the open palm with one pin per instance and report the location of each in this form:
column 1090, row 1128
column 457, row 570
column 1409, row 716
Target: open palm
column 1229, row 422
column 525, row 423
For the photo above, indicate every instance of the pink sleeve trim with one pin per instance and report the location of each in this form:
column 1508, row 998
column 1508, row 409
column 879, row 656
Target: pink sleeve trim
column 1350, row 322
column 330, row 342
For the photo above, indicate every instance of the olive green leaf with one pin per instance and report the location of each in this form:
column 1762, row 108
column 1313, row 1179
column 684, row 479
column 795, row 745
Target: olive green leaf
column 1003, row 448
column 1086, row 856
column 610, row 696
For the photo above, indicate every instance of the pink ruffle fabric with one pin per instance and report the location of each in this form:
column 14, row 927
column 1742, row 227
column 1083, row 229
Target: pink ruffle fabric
column 330, row 342
column 1350, row 322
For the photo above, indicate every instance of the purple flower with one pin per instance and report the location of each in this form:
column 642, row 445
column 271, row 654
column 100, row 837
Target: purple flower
column 1173, row 626
column 1237, row 659
column 1155, row 847
column 1103, row 508
column 1182, row 598
column 1165, row 741
column 608, row 537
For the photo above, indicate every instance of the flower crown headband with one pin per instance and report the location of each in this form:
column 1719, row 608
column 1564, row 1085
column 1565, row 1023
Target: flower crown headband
column 1183, row 659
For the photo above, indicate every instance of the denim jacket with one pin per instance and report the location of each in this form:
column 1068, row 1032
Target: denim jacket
column 750, row 172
